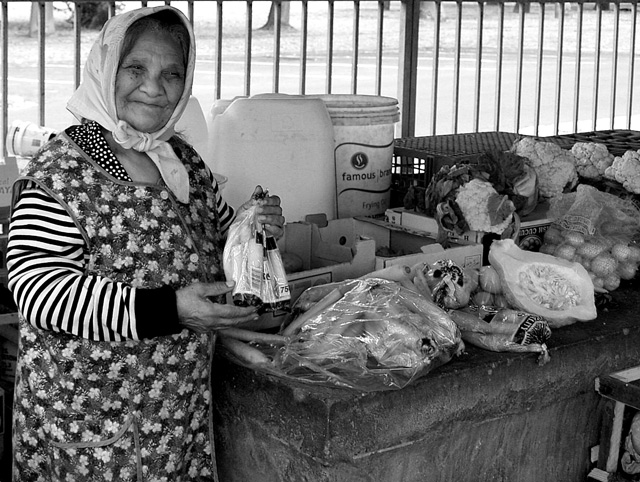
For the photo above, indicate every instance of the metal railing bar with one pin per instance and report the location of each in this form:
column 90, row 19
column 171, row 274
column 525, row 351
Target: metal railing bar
column 191, row 10
column 277, row 36
column 77, row 54
column 304, row 36
column 596, row 67
column 632, row 56
column 436, row 68
column 355, row 47
column 559, row 65
column 499, row 67
column 456, row 68
column 614, row 64
column 4, row 72
column 41, row 61
column 518, row 100
column 218, row 50
column 478, row 76
column 576, row 92
column 408, row 65
column 329, row 57
column 379, row 47
column 539, row 62
column 248, row 47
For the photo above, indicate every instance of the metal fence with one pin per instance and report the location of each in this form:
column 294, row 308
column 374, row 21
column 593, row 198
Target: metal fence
column 455, row 66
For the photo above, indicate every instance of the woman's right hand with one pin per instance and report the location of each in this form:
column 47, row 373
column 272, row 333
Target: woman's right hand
column 199, row 313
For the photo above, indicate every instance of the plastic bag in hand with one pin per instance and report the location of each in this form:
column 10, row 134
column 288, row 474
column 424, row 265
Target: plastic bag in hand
column 252, row 259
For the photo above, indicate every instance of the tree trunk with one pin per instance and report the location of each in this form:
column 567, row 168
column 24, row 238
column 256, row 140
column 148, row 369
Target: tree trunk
column 34, row 21
column 284, row 16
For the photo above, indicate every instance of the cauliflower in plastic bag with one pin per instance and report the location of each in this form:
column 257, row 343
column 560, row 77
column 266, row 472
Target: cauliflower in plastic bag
column 554, row 166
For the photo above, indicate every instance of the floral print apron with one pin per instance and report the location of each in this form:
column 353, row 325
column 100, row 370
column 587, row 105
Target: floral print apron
column 127, row 410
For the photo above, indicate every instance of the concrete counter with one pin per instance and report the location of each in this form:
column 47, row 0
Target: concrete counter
column 483, row 416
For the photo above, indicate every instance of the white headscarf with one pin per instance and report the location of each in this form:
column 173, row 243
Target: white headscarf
column 95, row 98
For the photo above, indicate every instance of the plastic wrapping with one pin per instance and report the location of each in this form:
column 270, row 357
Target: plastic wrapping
column 449, row 285
column 252, row 259
column 366, row 334
column 598, row 230
column 503, row 329
column 377, row 336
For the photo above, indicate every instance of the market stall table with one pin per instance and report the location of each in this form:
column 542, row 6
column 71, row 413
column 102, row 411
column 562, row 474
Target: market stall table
column 484, row 416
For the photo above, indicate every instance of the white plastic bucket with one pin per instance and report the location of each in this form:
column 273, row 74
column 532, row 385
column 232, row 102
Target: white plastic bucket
column 364, row 130
column 283, row 143
column 24, row 139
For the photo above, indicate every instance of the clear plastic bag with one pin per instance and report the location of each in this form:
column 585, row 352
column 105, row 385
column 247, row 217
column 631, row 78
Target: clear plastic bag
column 252, row 259
column 377, row 336
column 504, row 330
column 598, row 230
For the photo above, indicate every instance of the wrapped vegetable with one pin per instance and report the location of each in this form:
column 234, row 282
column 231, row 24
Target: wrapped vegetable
column 503, row 329
column 448, row 284
column 373, row 334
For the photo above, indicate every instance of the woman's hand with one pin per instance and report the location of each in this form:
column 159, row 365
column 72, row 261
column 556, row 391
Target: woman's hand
column 269, row 213
column 198, row 313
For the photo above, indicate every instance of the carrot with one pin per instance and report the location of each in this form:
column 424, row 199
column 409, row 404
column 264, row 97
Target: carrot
column 318, row 308
column 244, row 352
column 469, row 322
column 314, row 294
column 305, row 305
column 254, row 336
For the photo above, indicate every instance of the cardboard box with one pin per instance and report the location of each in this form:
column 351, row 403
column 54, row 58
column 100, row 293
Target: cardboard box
column 419, row 221
column 330, row 253
column 346, row 249
column 415, row 246
column 533, row 227
column 530, row 233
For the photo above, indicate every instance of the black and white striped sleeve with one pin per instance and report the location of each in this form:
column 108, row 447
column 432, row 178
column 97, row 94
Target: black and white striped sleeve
column 225, row 212
column 46, row 258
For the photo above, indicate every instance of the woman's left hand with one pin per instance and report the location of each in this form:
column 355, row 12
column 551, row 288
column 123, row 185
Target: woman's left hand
column 270, row 214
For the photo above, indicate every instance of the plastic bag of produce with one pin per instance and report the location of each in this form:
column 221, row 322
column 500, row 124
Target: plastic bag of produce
column 598, row 230
column 504, row 330
column 252, row 259
column 366, row 334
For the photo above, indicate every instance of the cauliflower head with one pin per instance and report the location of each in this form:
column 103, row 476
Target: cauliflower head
column 626, row 171
column 483, row 208
column 592, row 159
column 555, row 167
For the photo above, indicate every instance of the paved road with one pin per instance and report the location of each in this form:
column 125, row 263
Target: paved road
column 23, row 87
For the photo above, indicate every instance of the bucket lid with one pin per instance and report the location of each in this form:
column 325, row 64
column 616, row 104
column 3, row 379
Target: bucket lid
column 356, row 101
column 353, row 109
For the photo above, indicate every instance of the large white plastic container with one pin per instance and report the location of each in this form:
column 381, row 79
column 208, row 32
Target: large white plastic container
column 24, row 138
column 283, row 143
column 364, row 130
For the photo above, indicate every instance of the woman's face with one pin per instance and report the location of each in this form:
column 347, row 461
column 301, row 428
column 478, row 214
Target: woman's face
column 150, row 82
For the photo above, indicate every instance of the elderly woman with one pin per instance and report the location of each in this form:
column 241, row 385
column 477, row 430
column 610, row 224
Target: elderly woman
column 114, row 260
